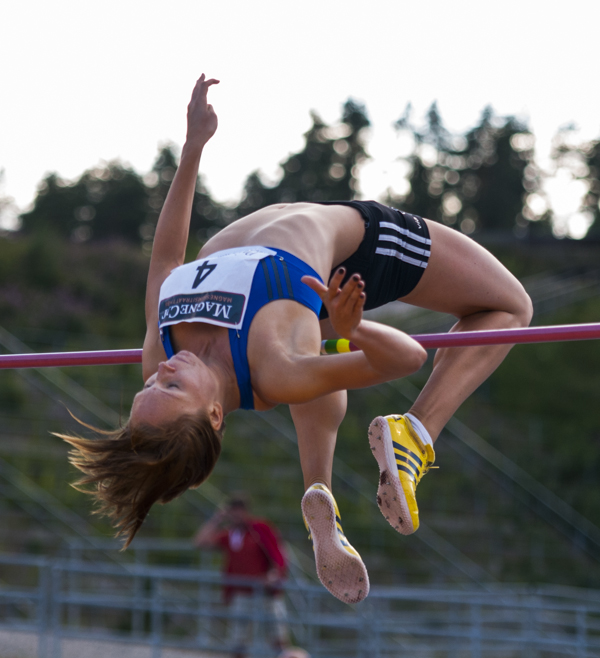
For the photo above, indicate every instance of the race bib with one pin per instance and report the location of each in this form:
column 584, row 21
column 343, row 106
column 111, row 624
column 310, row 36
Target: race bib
column 214, row 289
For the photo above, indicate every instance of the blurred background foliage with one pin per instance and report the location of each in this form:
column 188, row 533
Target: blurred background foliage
column 73, row 277
column 484, row 182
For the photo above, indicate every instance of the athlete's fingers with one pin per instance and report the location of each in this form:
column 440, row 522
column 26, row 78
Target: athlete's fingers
column 357, row 283
column 356, row 295
column 209, row 83
column 333, row 288
column 356, row 300
column 202, row 85
column 351, row 287
column 346, row 300
column 348, row 297
column 356, row 288
column 336, row 279
column 198, row 85
column 360, row 302
column 316, row 285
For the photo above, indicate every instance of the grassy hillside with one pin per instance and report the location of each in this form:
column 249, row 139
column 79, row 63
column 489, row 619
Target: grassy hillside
column 538, row 410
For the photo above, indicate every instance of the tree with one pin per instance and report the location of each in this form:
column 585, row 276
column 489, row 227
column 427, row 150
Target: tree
column 207, row 215
column 114, row 202
column 427, row 170
column 8, row 215
column 581, row 162
column 325, row 169
column 108, row 201
column 54, row 207
column 591, row 201
column 116, row 206
column 478, row 181
column 500, row 175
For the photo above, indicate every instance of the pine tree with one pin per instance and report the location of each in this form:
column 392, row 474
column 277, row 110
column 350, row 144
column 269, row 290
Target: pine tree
column 207, row 215
column 476, row 182
column 325, row 169
column 105, row 202
column 591, row 202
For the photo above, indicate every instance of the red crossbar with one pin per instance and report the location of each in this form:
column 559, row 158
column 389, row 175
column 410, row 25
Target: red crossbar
column 553, row 334
column 53, row 359
column 429, row 341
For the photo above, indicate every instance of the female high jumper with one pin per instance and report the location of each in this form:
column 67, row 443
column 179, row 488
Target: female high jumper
column 240, row 327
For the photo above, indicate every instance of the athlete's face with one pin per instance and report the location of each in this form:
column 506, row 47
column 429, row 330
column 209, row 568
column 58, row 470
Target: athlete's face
column 182, row 385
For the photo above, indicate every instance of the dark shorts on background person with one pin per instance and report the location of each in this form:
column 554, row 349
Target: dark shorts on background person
column 393, row 255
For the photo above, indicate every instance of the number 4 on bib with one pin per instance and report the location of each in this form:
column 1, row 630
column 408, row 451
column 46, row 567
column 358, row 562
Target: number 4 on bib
column 203, row 271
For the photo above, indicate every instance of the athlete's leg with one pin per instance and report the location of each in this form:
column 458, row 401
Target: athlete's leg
column 465, row 280
column 317, row 423
column 339, row 567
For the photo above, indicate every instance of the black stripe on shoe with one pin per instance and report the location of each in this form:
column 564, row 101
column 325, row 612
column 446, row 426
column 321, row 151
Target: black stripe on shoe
column 403, row 468
column 410, row 453
column 409, row 464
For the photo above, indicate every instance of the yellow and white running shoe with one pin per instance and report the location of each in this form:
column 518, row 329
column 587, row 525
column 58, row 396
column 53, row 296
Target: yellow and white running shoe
column 339, row 566
column 403, row 459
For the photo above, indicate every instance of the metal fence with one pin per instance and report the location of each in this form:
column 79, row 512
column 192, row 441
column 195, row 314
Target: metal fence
column 69, row 605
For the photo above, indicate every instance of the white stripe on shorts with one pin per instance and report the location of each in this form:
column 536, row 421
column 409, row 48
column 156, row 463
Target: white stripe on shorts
column 403, row 231
column 400, row 256
column 416, row 250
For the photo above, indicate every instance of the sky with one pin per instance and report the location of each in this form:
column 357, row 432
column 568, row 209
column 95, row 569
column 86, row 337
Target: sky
column 85, row 82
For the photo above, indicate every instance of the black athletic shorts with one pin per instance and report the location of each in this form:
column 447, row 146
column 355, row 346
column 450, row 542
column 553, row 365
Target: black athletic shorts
column 392, row 256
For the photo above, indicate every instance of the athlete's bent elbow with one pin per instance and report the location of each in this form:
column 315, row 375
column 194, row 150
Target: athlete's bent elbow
column 418, row 358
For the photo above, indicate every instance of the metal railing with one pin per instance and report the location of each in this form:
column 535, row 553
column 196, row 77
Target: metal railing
column 162, row 610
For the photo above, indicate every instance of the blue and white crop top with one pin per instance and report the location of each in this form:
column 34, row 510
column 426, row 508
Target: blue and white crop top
column 227, row 289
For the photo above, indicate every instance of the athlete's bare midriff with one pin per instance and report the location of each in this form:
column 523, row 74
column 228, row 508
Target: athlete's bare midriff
column 322, row 236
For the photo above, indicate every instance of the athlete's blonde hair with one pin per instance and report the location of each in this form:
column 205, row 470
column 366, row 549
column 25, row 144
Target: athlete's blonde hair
column 134, row 467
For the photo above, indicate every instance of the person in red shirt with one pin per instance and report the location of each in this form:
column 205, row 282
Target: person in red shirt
column 252, row 549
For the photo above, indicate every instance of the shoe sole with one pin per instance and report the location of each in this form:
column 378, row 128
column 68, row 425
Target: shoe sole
column 343, row 574
column 390, row 495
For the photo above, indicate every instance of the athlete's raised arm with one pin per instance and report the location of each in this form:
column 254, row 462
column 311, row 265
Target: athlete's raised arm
column 171, row 235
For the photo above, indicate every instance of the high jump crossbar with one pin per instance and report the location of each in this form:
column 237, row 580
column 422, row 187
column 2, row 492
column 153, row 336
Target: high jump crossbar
column 556, row 333
column 429, row 341
column 550, row 334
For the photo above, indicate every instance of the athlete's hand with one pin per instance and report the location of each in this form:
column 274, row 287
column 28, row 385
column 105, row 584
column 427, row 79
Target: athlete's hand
column 201, row 118
column 344, row 305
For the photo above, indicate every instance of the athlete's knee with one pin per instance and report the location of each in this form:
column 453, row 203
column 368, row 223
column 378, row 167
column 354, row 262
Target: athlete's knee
column 515, row 311
column 516, row 307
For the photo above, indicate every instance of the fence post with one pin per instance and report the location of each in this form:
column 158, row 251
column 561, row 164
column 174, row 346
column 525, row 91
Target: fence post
column 44, row 608
column 476, row 630
column 204, row 620
column 257, row 621
column 310, row 612
column 55, row 602
column 531, row 632
column 73, row 580
column 368, row 641
column 581, row 632
column 156, row 618
column 137, row 613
